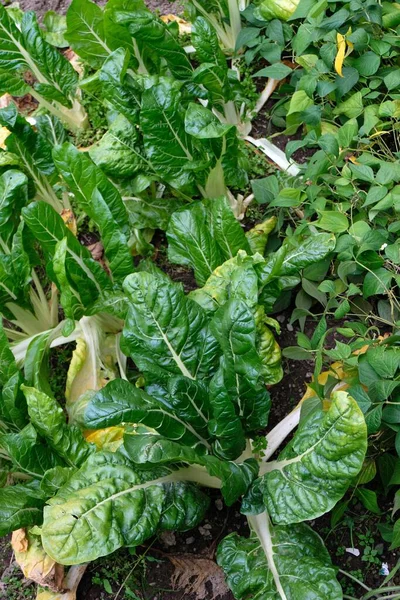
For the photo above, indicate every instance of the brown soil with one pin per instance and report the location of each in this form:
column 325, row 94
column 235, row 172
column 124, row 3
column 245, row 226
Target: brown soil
column 61, row 6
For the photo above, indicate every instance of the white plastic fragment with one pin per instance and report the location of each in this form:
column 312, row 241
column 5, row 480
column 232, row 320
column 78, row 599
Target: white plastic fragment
column 384, row 570
column 353, row 551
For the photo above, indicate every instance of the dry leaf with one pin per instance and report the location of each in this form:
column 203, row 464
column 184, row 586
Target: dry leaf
column 96, row 250
column 20, row 541
column 193, row 573
column 71, row 584
column 184, row 26
column 74, row 59
column 34, row 561
column 69, row 219
column 5, row 100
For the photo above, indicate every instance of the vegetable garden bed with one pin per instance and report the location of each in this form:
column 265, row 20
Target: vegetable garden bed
column 199, row 350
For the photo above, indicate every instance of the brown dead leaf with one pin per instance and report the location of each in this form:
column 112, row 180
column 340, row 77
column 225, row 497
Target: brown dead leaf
column 69, row 219
column 5, row 100
column 34, row 561
column 74, row 59
column 20, row 540
column 192, row 573
column 96, row 251
column 184, row 26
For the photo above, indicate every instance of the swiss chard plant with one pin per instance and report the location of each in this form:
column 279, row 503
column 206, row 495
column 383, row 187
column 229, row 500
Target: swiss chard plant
column 148, row 450
column 52, row 80
column 204, row 372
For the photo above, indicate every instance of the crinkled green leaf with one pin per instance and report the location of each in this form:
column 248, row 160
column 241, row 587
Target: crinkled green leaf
column 190, row 242
column 118, row 153
column 153, row 449
column 167, row 145
column 118, row 87
column 315, row 469
column 85, row 274
column 85, row 32
column 27, row 453
column 107, row 504
column 283, row 563
column 235, row 278
column 20, row 506
column 165, row 332
column 121, row 402
column 147, row 28
column 49, row 420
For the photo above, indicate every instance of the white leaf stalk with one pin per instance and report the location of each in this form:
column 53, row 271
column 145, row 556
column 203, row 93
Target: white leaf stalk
column 275, row 154
column 43, row 317
column 71, row 583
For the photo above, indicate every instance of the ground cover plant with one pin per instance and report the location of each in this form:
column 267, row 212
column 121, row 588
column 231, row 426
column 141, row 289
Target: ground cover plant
column 127, row 397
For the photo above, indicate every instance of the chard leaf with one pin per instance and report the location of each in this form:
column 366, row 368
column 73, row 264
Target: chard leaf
column 118, row 87
column 235, row 329
column 226, row 229
column 33, row 152
column 118, row 35
column 205, row 40
column 235, row 278
column 190, row 402
column 165, row 332
column 13, row 404
column 8, row 366
column 107, row 504
column 257, row 237
column 167, row 145
column 85, row 32
column 36, row 368
column 13, row 83
column 84, row 178
column 118, row 153
column 49, row 420
column 60, row 79
column 55, row 478
column 121, row 402
column 225, row 425
column 20, row 506
column 114, row 240
column 69, row 298
column 202, row 124
column 318, row 465
column 26, row 49
column 27, row 454
column 281, row 563
column 191, row 243
column 270, row 353
column 150, row 212
column 156, row 450
column 85, row 274
column 213, row 72
column 147, row 28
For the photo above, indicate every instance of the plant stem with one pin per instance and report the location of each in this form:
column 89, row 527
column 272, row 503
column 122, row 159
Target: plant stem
column 380, row 591
column 350, row 576
column 279, row 433
column 75, row 118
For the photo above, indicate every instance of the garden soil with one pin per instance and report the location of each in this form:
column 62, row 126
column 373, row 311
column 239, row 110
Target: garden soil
column 178, row 566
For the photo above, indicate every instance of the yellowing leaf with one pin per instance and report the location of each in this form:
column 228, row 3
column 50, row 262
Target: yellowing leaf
column 69, row 219
column 34, row 561
column 341, row 45
column 106, row 439
column 4, row 133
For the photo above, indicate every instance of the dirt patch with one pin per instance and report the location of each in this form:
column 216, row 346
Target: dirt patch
column 61, row 6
